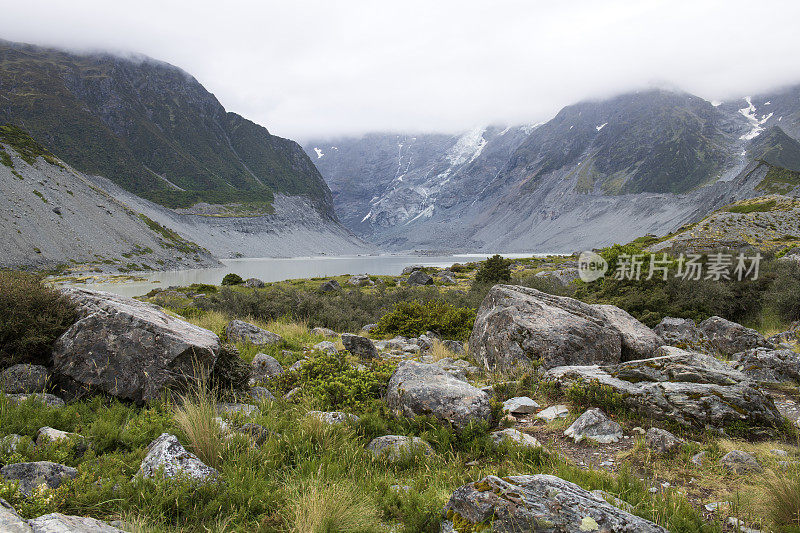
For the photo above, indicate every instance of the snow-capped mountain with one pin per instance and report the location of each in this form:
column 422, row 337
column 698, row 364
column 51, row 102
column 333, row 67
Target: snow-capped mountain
column 598, row 172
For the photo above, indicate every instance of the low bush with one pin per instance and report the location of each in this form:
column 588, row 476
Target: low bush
column 494, row 270
column 32, row 317
column 414, row 318
column 232, row 279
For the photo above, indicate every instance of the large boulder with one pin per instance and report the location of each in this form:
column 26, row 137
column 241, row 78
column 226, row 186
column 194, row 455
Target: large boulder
column 772, row 366
column 361, row 347
column 419, row 278
column 538, row 503
column 727, row 338
column 419, row 389
column 519, row 325
column 10, row 521
column 24, row 378
column 59, row 523
column 32, row 475
column 168, row 456
column 689, row 388
column 681, row 332
column 241, row 331
column 594, row 425
column 130, row 349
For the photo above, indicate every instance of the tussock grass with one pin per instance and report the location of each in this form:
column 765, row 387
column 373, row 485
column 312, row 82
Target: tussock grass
column 195, row 416
column 330, row 506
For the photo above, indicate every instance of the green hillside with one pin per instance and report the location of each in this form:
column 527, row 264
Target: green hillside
column 151, row 128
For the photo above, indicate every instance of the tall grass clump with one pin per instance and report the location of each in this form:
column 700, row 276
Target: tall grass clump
column 195, row 416
column 783, row 496
column 32, row 317
column 319, row 506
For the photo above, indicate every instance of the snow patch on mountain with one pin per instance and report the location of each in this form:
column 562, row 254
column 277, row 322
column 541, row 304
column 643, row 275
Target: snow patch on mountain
column 468, row 147
column 319, row 153
column 756, row 124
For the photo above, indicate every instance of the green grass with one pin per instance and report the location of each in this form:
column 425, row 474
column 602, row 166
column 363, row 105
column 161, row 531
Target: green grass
column 754, row 207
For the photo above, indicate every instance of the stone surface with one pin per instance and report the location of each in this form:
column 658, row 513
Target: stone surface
column 50, row 400
column 46, row 435
column 326, row 346
column 689, row 388
column 10, row 521
column 330, row 286
column 333, row 417
column 457, row 347
column 59, row 523
column 265, row 367
column 10, row 443
column 325, row 332
column 360, row 280
column 519, row 325
column 681, row 332
column 261, row 394
column 254, row 283
column 24, row 378
column 662, row 441
column 766, row 365
column 422, row 389
column 167, row 455
column 562, row 276
column 245, row 409
column 594, row 425
column 32, row 475
column 538, row 503
column 419, row 278
column 518, row 437
column 241, row 331
column 740, row 462
column 520, row 405
column 728, row 338
column 359, row 346
column 553, row 412
column 396, row 447
column 130, row 349
column 411, row 269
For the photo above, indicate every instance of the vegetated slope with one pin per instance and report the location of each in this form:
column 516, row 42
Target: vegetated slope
column 51, row 214
column 152, row 129
column 599, row 172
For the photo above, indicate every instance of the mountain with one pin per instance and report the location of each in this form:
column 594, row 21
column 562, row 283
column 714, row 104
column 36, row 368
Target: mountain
column 598, row 172
column 144, row 140
column 52, row 215
column 151, row 128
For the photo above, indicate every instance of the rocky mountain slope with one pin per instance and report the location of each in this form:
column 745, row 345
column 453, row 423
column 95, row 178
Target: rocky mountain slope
column 151, row 135
column 599, row 172
column 52, row 215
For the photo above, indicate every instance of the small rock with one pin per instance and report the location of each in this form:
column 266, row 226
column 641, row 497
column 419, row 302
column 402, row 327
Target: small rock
column 265, row 367
column 594, row 425
column 49, row 400
column 254, row 283
column 359, row 346
column 59, row 523
column 24, row 379
column 520, row 405
column 457, row 347
column 167, row 454
column 333, row 417
column 661, row 440
column 241, row 331
column 779, row 453
column 261, row 394
column 31, row 475
column 513, row 435
column 360, row 280
column 258, row 433
column 740, row 462
column 419, row 278
column 553, row 412
column 738, row 525
column 697, row 459
column 330, row 286
column 46, row 435
column 411, row 269
column 396, row 447
column 289, row 395
column 326, row 346
column 369, row 327
column 232, row 408
column 325, row 332
column 10, row 443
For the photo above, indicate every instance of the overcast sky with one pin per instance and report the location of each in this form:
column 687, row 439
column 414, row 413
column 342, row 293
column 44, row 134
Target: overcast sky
column 319, row 68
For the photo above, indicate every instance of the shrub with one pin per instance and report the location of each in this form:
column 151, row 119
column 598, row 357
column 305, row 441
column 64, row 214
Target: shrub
column 494, row 270
column 414, row 318
column 32, row 317
column 232, row 279
column 329, row 382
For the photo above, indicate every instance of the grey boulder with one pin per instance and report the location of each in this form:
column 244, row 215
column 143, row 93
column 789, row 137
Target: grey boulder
column 241, row 331
column 50, row 400
column 254, row 283
column 419, row 278
column 681, row 332
column 168, row 456
column 411, row 269
column 32, row 475
column 59, row 523
column 519, row 325
column 330, row 286
column 538, row 504
column 661, row 441
column 265, row 367
column 562, row 276
column 514, row 436
column 332, row 418
column 360, row 280
column 10, row 521
column 728, row 338
column 520, row 405
column 740, row 462
column 771, row 366
column 325, row 332
column 427, row 389
column 594, row 425
column 131, row 349
column 361, row 347
column 396, row 447
column 24, row 378
column 326, row 346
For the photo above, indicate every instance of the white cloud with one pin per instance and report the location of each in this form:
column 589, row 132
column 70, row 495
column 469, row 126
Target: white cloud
column 313, row 68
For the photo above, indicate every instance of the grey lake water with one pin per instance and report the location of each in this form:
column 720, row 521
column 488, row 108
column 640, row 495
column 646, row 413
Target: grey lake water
column 279, row 269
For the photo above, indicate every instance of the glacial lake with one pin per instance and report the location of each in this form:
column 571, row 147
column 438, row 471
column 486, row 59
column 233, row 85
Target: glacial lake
column 279, row 269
